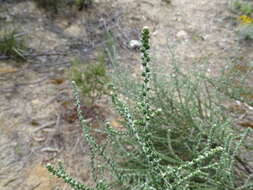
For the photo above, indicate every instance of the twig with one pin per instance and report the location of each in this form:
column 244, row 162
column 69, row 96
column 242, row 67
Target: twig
column 44, row 126
column 57, row 126
column 35, row 186
column 246, row 167
column 32, row 83
column 13, row 88
column 27, row 55
column 50, row 149
column 44, row 54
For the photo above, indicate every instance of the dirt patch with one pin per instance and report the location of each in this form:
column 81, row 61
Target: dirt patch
column 32, row 94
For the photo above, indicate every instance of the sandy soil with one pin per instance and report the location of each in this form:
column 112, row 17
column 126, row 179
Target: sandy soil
column 35, row 97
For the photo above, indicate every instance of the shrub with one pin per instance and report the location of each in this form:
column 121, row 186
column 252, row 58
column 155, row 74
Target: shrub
column 50, row 5
column 240, row 7
column 245, row 32
column 244, row 10
column 175, row 137
column 90, row 78
column 55, row 6
column 83, row 3
column 12, row 44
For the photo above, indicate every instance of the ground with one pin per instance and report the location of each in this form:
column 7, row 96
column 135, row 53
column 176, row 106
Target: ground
column 35, row 96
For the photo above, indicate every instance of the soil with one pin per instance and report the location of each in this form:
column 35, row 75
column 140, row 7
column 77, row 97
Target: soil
column 37, row 124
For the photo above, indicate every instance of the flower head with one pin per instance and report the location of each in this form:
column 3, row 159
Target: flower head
column 244, row 19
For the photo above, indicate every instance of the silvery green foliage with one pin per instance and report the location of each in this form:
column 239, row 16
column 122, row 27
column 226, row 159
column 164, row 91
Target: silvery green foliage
column 245, row 32
column 148, row 155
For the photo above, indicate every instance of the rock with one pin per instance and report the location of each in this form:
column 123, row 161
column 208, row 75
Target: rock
column 182, row 34
column 134, row 44
column 36, row 102
column 74, row 30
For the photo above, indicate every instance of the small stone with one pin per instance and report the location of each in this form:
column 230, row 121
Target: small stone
column 205, row 36
column 36, row 102
column 74, row 30
column 134, row 44
column 182, row 34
